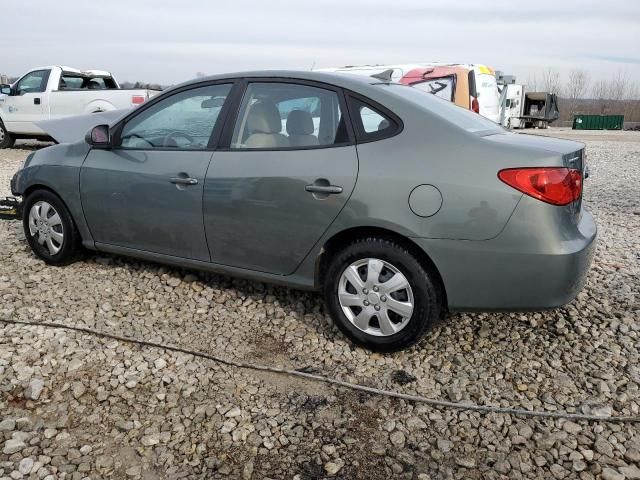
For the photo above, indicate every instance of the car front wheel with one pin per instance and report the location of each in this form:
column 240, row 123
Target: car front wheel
column 380, row 295
column 6, row 139
column 49, row 228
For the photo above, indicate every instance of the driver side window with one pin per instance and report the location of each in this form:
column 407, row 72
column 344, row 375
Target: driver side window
column 182, row 121
column 34, row 82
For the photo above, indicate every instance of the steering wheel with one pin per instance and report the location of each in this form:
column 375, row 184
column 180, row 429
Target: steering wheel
column 135, row 135
column 174, row 135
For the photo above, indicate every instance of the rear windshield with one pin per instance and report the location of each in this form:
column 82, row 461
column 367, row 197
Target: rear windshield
column 463, row 118
column 70, row 81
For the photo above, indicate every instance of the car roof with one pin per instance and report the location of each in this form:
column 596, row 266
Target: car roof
column 355, row 82
column 73, row 71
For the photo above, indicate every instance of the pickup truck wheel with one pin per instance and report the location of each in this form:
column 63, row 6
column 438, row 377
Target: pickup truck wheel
column 6, row 139
column 49, row 228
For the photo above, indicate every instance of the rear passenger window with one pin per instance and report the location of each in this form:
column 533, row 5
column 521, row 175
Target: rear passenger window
column 288, row 115
column 371, row 123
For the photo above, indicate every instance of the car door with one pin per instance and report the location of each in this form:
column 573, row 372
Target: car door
column 287, row 169
column 145, row 193
column 26, row 104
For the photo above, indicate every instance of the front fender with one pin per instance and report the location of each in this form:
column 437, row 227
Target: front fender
column 57, row 168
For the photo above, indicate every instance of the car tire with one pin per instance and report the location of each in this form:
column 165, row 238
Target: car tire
column 50, row 229
column 378, row 315
column 6, row 139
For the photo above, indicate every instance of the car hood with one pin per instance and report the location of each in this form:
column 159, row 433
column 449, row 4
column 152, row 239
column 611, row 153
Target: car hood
column 549, row 144
column 73, row 129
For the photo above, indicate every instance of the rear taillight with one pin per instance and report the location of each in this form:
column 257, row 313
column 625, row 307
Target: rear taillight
column 137, row 99
column 554, row 185
column 475, row 105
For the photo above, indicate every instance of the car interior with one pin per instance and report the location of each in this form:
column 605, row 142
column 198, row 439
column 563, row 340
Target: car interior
column 282, row 116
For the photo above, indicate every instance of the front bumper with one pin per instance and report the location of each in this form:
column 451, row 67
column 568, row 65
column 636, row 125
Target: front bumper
column 14, row 184
column 10, row 208
column 534, row 269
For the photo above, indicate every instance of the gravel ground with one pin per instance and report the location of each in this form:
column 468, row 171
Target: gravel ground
column 76, row 406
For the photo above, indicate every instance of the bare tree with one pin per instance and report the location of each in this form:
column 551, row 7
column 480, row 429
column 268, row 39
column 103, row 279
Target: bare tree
column 619, row 85
column 600, row 90
column 631, row 104
column 551, row 81
column 532, row 83
column 576, row 87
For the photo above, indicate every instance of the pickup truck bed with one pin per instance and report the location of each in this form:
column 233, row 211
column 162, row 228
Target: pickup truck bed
column 55, row 92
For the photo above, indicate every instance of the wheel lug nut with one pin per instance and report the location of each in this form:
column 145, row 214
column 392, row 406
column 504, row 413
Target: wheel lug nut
column 365, row 291
column 383, row 298
column 377, row 307
column 366, row 303
column 375, row 289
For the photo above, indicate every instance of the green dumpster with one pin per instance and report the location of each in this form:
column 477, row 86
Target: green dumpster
column 598, row 122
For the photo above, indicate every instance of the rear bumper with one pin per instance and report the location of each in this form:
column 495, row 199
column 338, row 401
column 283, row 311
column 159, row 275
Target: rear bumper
column 532, row 268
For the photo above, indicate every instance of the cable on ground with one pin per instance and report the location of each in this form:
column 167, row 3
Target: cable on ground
column 339, row 383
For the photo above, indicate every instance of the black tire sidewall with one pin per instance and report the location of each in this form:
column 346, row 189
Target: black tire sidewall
column 69, row 248
column 8, row 140
column 427, row 304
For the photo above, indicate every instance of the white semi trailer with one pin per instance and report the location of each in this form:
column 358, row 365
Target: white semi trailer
column 522, row 109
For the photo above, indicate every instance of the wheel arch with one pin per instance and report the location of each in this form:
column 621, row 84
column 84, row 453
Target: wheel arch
column 99, row 105
column 41, row 186
column 345, row 237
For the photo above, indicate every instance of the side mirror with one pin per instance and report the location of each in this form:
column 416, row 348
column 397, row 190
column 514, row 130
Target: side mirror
column 5, row 89
column 99, row 137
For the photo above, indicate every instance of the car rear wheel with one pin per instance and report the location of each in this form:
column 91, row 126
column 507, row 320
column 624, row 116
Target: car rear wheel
column 6, row 139
column 49, row 228
column 380, row 295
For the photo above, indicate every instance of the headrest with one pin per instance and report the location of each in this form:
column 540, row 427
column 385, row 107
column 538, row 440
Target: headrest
column 264, row 118
column 300, row 122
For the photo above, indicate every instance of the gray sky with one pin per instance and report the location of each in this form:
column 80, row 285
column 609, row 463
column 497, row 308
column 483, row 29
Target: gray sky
column 168, row 42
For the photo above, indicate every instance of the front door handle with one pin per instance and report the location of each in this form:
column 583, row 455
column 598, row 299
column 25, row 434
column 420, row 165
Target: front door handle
column 326, row 189
column 184, row 181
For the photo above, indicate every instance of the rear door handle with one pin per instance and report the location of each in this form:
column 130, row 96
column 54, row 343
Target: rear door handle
column 184, row 181
column 326, row 189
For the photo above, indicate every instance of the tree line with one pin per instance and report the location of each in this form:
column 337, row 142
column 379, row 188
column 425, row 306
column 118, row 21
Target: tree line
column 617, row 95
column 142, row 85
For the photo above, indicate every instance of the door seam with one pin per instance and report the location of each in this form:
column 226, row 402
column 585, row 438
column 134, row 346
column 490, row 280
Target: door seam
column 204, row 225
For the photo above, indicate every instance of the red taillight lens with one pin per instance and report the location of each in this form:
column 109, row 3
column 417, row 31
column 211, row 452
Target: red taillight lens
column 475, row 105
column 137, row 99
column 554, row 185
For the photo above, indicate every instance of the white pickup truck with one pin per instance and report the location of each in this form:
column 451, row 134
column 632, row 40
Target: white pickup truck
column 53, row 92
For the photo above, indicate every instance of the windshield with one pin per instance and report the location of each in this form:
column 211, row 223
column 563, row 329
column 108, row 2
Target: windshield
column 463, row 118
